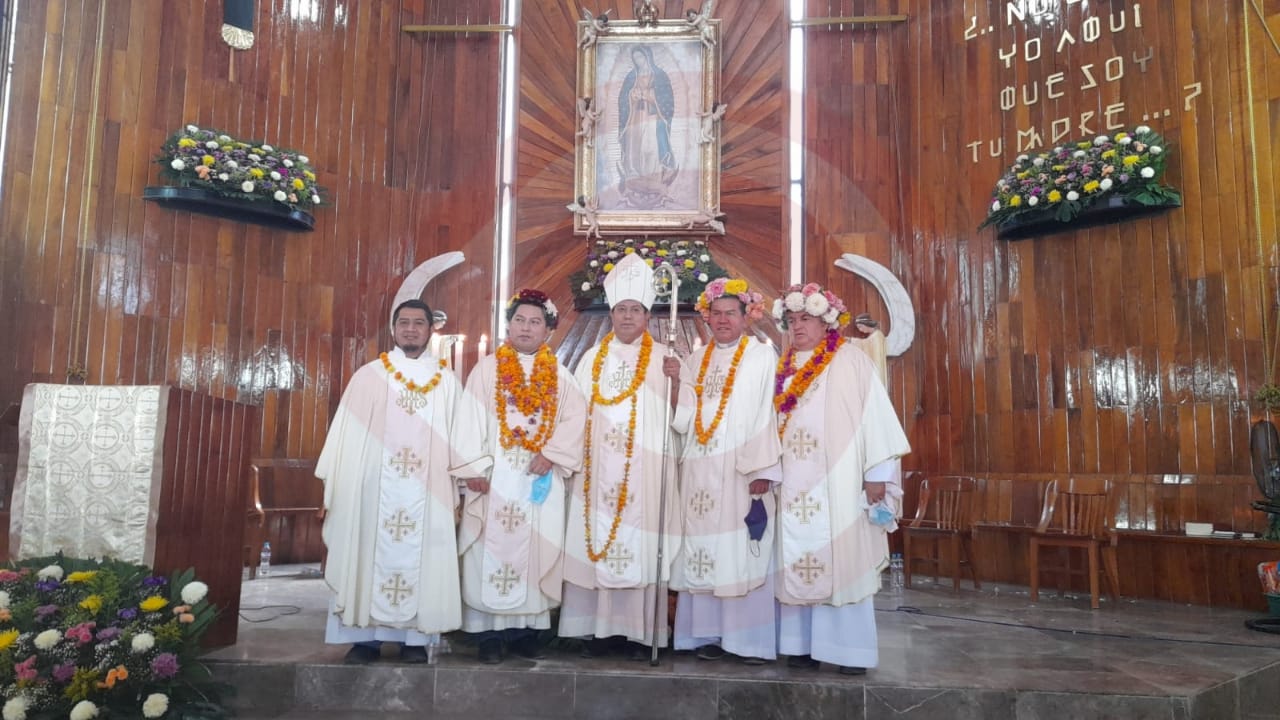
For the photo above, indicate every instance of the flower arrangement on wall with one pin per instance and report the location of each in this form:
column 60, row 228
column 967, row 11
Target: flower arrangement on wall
column 102, row 639
column 213, row 160
column 691, row 258
column 1064, row 182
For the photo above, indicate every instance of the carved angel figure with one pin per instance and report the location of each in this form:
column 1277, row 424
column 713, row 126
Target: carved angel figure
column 596, row 25
column 587, row 209
column 709, row 217
column 646, row 13
column 698, row 21
column 709, row 120
column 587, row 117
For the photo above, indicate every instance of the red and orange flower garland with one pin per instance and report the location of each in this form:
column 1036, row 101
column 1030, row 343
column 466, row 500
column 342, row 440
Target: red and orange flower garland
column 786, row 397
column 637, row 380
column 410, row 385
column 539, row 395
column 705, row 434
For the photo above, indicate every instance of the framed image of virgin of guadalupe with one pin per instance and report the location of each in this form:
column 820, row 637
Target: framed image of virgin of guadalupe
column 647, row 151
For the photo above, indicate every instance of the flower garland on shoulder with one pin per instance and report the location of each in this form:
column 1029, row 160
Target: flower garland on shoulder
column 704, row 434
column 410, row 385
column 786, row 397
column 753, row 303
column 537, row 397
column 637, row 380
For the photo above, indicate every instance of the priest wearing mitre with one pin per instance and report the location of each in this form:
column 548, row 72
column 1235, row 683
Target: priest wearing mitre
column 517, row 438
column 611, row 542
column 389, row 499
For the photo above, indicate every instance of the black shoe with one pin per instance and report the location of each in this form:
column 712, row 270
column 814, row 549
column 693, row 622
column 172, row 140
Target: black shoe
column 802, row 662
column 753, row 661
column 413, row 654
column 528, row 648
column 638, row 652
column 595, row 648
column 851, row 670
column 361, row 655
column 710, row 652
column 491, row 651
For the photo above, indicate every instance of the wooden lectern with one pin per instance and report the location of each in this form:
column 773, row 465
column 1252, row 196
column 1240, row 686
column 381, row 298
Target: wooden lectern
column 148, row 474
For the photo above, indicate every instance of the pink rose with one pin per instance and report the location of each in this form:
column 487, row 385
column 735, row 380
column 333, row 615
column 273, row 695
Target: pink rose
column 811, row 288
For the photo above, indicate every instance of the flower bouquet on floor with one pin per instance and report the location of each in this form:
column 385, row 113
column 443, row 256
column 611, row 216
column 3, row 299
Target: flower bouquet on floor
column 85, row 639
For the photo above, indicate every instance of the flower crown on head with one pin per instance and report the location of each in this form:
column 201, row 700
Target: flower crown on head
column 735, row 287
column 812, row 299
column 529, row 296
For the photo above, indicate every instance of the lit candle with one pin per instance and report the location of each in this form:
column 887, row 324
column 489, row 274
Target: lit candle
column 483, row 346
column 458, row 353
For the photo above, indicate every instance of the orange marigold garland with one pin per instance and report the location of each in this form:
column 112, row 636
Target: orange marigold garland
column 785, row 400
column 705, row 434
column 410, row 385
column 540, row 395
column 646, row 349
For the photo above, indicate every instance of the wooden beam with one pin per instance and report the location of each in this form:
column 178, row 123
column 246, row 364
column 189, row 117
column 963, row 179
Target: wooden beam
column 457, row 28
column 852, row 20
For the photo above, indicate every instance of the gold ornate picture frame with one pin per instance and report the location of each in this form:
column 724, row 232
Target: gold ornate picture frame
column 647, row 150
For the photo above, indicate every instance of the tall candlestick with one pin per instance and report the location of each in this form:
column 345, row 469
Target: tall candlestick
column 483, row 346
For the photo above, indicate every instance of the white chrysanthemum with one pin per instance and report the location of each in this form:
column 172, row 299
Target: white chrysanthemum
column 287, row 162
column 211, row 144
column 304, row 159
column 178, row 165
column 255, row 157
column 4, row 600
column 232, row 164
column 192, row 128
column 224, row 177
column 1148, row 172
column 1072, row 195
column 1078, row 154
column 586, row 286
column 84, row 710
column 280, row 196
column 995, row 205
column 15, row 708
column 704, row 258
column 595, row 263
column 778, row 309
column 47, row 639
column 268, row 148
column 224, row 138
column 143, row 642
column 681, row 253
column 702, row 277
column 315, row 199
column 551, row 308
column 1142, row 130
column 155, row 705
column 52, row 571
column 1033, row 201
column 613, row 254
column 795, row 302
column 1101, row 140
column 816, row 304
column 275, row 175
column 1038, row 162
column 246, row 186
column 1106, row 184
column 1156, row 149
column 1125, row 140
column 831, row 316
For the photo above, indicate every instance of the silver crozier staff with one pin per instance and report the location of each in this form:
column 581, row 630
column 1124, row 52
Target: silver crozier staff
column 671, row 288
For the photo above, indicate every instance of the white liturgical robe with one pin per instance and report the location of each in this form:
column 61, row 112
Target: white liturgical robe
column 390, row 501
column 511, row 543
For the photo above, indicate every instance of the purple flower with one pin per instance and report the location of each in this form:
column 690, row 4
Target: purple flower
column 47, row 585
column 45, row 611
column 108, row 634
column 128, row 613
column 164, row 666
column 155, row 581
column 64, row 672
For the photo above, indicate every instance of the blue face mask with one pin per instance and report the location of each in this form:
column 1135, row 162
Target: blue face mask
column 757, row 519
column 541, row 488
column 880, row 514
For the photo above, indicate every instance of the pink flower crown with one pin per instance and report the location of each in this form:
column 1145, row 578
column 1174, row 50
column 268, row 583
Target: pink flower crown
column 811, row 299
column 731, row 287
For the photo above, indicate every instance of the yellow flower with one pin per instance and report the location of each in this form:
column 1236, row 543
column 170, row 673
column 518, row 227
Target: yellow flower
column 1024, row 174
column 608, row 267
column 1131, row 160
column 1055, row 196
column 207, row 160
column 7, row 637
column 629, row 251
column 690, row 264
column 737, row 286
column 1108, row 154
column 1085, row 145
column 298, row 184
column 1059, row 168
column 1015, row 201
column 843, row 319
column 256, row 172
column 93, row 603
column 648, row 261
column 81, row 576
column 1121, row 135
column 650, row 244
column 1091, row 186
column 663, row 253
column 186, row 143
column 309, row 175
column 153, row 603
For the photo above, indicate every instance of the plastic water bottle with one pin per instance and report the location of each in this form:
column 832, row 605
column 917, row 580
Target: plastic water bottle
column 896, row 579
column 264, row 561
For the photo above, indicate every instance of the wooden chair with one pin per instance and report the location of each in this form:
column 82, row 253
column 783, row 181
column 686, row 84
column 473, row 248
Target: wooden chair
column 944, row 516
column 1077, row 513
column 286, row 492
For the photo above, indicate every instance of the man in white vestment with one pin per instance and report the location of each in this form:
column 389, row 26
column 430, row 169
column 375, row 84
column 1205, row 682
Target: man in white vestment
column 611, row 541
column 517, row 438
column 389, row 500
column 841, row 448
column 730, row 461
